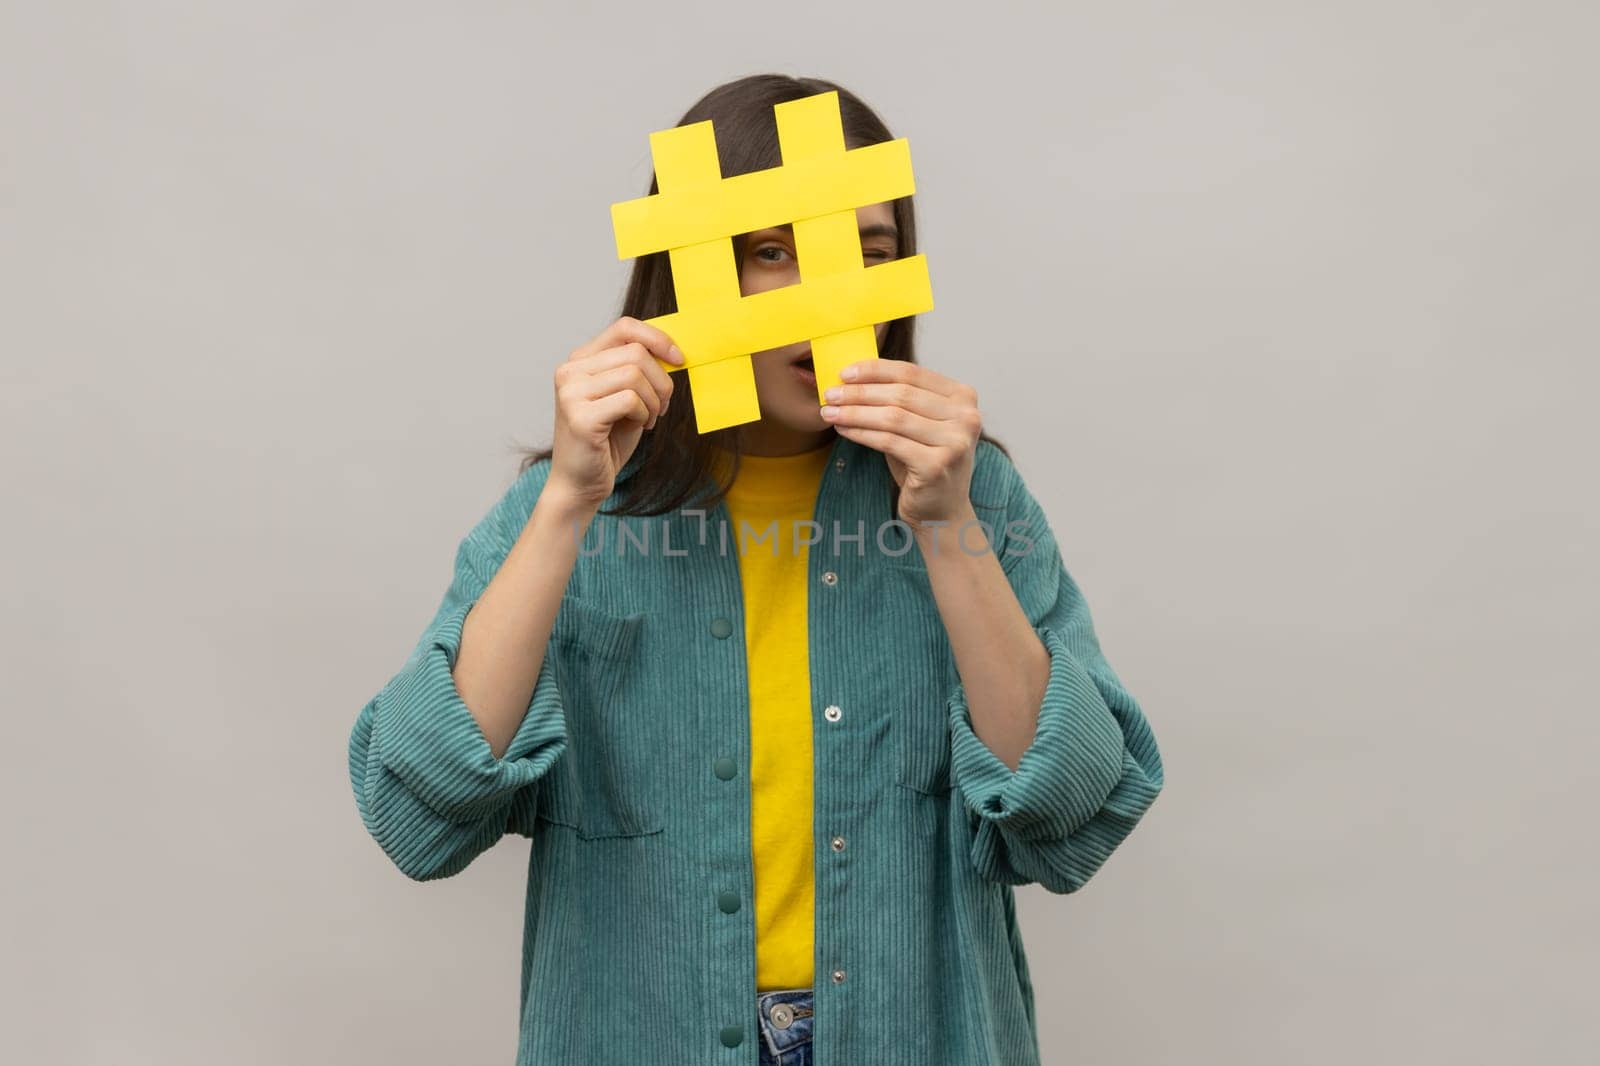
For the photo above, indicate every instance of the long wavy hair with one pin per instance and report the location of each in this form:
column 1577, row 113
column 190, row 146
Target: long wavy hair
column 674, row 464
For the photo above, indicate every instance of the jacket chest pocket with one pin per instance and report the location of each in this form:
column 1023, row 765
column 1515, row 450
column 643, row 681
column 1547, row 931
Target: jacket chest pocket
column 609, row 782
column 916, row 681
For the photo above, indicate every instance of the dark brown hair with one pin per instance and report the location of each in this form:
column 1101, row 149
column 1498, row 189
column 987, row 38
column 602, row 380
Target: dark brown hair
column 673, row 463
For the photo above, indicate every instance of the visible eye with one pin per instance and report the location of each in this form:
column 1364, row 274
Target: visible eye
column 780, row 252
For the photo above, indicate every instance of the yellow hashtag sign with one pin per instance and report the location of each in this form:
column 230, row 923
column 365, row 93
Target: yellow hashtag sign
column 696, row 211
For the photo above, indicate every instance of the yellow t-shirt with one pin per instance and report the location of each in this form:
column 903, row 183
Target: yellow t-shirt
column 781, row 489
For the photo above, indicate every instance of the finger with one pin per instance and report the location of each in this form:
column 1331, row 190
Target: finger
column 608, row 410
column 905, row 370
column 904, row 394
column 915, row 455
column 629, row 329
column 932, row 432
column 631, row 354
column 629, row 377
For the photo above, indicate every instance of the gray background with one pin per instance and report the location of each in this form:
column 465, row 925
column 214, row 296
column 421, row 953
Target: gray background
column 1287, row 311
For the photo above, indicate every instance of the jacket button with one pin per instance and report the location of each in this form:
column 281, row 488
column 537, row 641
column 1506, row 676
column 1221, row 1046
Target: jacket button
column 728, row 901
column 830, row 578
column 832, row 712
column 838, row 843
column 721, row 628
column 724, row 768
column 838, row 977
column 732, row 1035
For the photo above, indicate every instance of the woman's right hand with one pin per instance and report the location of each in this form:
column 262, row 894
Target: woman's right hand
column 608, row 392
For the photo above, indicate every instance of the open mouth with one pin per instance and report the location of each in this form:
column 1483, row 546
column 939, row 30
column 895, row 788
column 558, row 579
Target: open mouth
column 805, row 368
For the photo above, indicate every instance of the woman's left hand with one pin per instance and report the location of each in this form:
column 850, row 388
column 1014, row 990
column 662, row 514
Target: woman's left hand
column 925, row 424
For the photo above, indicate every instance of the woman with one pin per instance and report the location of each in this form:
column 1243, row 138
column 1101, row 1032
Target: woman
column 786, row 709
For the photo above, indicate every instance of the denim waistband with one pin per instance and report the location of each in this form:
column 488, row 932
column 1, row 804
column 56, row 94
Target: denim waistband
column 780, row 1038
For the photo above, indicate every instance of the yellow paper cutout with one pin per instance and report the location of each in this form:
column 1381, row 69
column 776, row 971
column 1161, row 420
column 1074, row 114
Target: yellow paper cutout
column 838, row 300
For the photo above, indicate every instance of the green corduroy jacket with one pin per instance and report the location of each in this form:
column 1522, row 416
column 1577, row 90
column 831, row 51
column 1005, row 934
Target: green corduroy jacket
column 629, row 775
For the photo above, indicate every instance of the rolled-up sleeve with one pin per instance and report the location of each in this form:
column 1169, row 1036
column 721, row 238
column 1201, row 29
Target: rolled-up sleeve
column 1092, row 769
column 427, row 784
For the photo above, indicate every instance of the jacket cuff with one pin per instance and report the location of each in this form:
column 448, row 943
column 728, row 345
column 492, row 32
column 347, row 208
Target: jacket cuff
column 1064, row 775
column 427, row 737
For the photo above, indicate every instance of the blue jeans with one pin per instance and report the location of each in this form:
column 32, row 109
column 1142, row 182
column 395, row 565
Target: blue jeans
column 783, row 1025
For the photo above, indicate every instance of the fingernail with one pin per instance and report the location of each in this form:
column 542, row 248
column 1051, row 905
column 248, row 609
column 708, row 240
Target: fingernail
column 675, row 354
column 832, row 393
column 849, row 372
column 828, row 412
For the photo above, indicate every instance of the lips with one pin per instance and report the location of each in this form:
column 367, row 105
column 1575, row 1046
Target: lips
column 805, row 371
